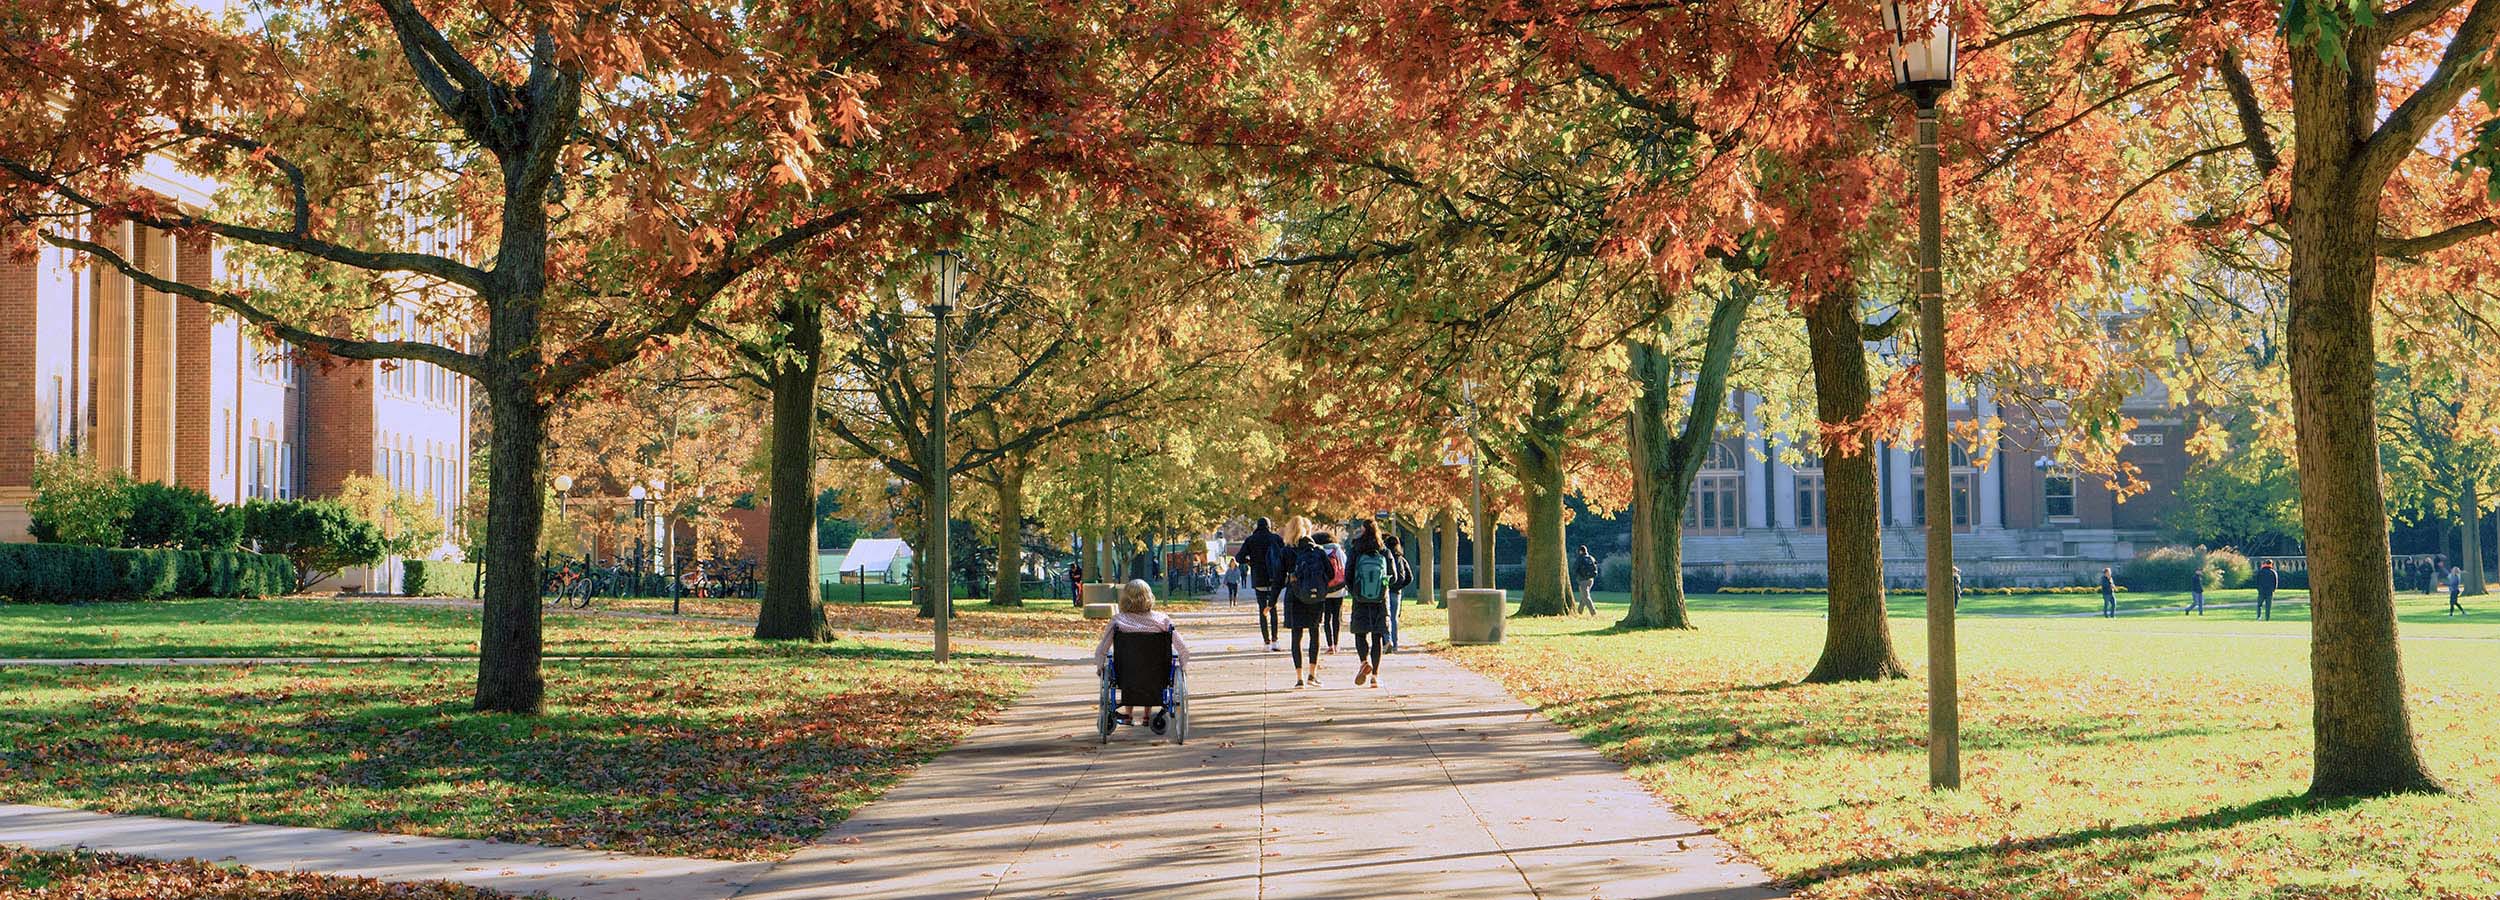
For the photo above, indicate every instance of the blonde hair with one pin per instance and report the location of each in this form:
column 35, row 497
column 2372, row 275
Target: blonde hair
column 1137, row 598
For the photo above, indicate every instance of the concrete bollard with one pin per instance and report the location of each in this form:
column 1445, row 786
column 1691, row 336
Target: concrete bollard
column 1476, row 615
column 1101, row 600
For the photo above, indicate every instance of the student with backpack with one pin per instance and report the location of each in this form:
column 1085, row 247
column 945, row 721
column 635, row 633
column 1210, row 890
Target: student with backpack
column 1367, row 583
column 2266, row 581
column 1401, row 577
column 1332, row 609
column 1304, row 597
column 1270, row 562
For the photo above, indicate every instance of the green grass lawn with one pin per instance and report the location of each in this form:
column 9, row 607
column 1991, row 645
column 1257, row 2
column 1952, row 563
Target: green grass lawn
column 352, row 628
column 82, row 875
column 729, row 759
column 2150, row 756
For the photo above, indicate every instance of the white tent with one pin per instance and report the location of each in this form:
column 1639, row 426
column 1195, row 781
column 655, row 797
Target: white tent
column 883, row 558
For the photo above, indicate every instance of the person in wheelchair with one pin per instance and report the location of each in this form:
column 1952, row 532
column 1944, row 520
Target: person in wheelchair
column 1137, row 615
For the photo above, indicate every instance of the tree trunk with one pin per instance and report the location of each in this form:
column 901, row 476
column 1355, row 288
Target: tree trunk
column 1449, row 557
column 1424, row 553
column 2363, row 733
column 510, row 630
column 2473, row 556
column 928, row 578
column 1007, row 588
column 1658, row 499
column 793, row 606
column 1545, row 588
column 1857, row 637
column 1663, row 470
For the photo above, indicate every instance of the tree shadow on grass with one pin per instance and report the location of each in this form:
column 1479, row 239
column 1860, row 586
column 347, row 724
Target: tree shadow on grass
column 2037, row 855
column 1674, row 724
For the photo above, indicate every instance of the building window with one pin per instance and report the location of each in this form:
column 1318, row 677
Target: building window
column 2057, row 493
column 1961, row 500
column 1810, row 501
column 1718, row 492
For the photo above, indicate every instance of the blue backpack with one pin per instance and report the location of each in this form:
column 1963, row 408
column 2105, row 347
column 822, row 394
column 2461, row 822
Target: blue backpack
column 1369, row 582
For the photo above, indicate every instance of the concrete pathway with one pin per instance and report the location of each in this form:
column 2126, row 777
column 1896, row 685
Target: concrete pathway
column 515, row 868
column 1440, row 785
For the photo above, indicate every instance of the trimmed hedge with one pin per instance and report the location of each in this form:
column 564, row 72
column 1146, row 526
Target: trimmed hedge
column 61, row 573
column 436, row 578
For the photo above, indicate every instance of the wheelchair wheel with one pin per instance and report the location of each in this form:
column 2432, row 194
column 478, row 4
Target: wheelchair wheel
column 1103, row 723
column 1179, row 709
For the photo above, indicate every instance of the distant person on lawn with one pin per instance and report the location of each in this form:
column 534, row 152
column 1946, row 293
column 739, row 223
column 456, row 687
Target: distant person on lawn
column 1264, row 553
column 1137, row 614
column 2456, row 585
column 2109, row 594
column 1583, row 581
column 2196, row 594
column 2266, row 580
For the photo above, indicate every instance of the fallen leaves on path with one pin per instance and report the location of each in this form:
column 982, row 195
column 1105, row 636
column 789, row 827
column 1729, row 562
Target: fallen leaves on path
column 81, row 875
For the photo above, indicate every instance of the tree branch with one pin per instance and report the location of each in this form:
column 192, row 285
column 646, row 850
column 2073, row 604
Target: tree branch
column 2461, row 66
column 2436, row 241
column 350, row 348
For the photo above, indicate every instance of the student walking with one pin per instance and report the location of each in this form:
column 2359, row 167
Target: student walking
column 1267, row 558
column 1401, row 577
column 1305, row 595
column 2456, row 586
column 1583, row 581
column 2266, row 580
column 1367, row 585
column 2109, row 595
column 1332, row 607
column 2196, row 595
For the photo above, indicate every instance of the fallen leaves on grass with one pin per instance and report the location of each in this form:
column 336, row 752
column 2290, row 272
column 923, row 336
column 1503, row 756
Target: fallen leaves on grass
column 83, row 875
column 2097, row 762
column 728, row 759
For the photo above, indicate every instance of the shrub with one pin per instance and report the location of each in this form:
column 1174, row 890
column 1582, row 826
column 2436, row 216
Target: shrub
column 2163, row 569
column 2227, row 568
column 164, row 515
column 319, row 537
column 76, row 502
column 436, row 578
column 57, row 573
column 1615, row 574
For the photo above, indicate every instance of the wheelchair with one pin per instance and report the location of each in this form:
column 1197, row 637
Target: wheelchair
column 1144, row 671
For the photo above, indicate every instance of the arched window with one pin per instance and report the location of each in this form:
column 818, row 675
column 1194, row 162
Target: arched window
column 1716, row 506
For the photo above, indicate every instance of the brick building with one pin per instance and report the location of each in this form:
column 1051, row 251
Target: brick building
column 170, row 389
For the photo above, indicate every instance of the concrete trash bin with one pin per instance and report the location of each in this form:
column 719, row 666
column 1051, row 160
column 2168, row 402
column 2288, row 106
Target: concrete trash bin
column 1101, row 600
column 1476, row 615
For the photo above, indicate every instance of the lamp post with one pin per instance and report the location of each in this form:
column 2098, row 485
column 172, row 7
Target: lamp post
column 946, row 272
column 564, row 486
column 1923, row 53
column 1484, row 561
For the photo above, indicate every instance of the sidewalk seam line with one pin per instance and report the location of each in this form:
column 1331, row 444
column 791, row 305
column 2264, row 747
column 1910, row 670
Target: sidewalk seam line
column 1446, row 775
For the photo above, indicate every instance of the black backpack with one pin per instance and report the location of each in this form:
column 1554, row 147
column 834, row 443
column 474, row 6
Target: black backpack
column 1274, row 560
column 1401, row 572
column 1311, row 574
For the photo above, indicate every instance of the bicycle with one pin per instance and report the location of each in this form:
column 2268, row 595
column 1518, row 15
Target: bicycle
column 567, row 582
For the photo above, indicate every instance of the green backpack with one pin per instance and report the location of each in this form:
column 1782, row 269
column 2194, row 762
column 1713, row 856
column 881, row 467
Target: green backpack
column 1369, row 582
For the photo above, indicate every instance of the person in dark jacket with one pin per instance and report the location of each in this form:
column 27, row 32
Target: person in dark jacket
column 2109, row 594
column 2266, row 580
column 1265, row 555
column 2456, row 585
column 1583, row 581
